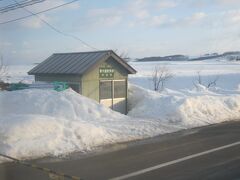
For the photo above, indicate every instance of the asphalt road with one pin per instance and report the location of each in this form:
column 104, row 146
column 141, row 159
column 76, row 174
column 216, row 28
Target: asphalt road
column 211, row 152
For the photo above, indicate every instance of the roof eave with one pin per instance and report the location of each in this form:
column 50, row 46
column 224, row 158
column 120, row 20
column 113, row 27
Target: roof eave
column 129, row 68
column 73, row 74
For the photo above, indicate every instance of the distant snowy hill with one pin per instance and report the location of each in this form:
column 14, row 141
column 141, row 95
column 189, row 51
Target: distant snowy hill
column 232, row 56
column 165, row 58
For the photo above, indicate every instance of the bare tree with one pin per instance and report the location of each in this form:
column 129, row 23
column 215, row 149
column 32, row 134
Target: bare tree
column 208, row 84
column 199, row 77
column 3, row 73
column 160, row 75
column 213, row 82
column 123, row 54
column 3, row 69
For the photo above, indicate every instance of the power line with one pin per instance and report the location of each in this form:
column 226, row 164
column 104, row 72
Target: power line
column 13, row 20
column 19, row 5
column 57, row 30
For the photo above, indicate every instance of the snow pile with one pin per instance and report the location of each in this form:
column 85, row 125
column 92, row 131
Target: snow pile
column 186, row 108
column 36, row 123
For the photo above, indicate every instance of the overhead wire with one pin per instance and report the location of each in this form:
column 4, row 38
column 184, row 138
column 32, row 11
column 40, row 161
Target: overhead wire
column 57, row 30
column 46, row 10
column 14, row 6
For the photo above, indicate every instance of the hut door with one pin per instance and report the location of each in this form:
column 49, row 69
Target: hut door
column 120, row 96
column 112, row 93
column 105, row 93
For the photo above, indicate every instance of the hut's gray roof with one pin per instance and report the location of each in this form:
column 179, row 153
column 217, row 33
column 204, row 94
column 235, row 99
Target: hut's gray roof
column 76, row 63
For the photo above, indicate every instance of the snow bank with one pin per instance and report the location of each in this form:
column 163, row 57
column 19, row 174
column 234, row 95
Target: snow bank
column 37, row 123
column 186, row 108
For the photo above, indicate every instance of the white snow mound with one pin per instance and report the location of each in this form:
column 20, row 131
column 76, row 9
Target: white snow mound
column 198, row 107
column 37, row 123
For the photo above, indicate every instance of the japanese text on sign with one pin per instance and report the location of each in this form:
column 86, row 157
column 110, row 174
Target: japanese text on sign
column 106, row 72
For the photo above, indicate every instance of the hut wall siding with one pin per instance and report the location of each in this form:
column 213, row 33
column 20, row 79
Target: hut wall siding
column 71, row 79
column 90, row 81
column 57, row 77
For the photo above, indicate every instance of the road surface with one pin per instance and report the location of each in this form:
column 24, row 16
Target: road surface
column 211, row 152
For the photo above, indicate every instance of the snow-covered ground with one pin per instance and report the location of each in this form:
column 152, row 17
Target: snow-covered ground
column 18, row 73
column 37, row 123
column 185, row 73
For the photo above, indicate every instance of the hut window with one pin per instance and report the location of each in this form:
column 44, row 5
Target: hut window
column 119, row 89
column 105, row 89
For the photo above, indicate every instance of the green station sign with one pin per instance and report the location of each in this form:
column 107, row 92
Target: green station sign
column 106, row 72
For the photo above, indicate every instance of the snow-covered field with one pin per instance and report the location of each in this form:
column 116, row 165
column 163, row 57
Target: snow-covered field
column 18, row 73
column 38, row 123
column 185, row 73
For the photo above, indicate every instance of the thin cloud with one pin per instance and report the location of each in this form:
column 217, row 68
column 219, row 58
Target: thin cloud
column 228, row 2
column 104, row 17
column 159, row 20
column 35, row 22
column 142, row 14
column 232, row 17
column 195, row 18
column 213, row 3
column 166, row 4
column 53, row 3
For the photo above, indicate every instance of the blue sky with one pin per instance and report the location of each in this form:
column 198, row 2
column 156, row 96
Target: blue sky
column 137, row 27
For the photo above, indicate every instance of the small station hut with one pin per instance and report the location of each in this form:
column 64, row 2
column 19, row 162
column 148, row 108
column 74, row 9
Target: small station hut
column 99, row 75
